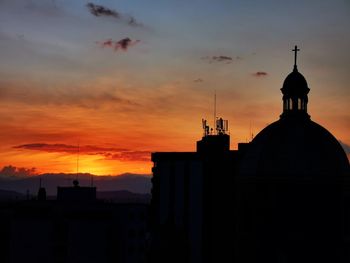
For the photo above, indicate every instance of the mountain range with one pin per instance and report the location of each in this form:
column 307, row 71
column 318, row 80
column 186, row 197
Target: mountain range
column 135, row 183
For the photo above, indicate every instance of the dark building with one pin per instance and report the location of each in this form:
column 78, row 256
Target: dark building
column 75, row 228
column 284, row 197
column 76, row 193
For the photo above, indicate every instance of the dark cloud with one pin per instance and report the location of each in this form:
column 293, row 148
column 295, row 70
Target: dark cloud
column 260, row 74
column 221, row 58
column 99, row 10
column 108, row 153
column 123, row 44
column 16, row 172
column 199, row 80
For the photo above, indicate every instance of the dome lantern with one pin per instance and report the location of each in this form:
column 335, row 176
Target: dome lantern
column 295, row 90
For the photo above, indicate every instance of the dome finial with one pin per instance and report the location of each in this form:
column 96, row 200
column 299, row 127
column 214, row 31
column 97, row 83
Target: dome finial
column 296, row 49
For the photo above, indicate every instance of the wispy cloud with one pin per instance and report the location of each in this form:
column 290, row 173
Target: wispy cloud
column 66, row 148
column 221, row 58
column 123, row 44
column 100, row 11
column 109, row 153
column 260, row 74
column 81, row 96
column 144, row 156
column 199, row 80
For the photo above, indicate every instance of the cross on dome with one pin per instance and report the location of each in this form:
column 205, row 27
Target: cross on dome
column 296, row 49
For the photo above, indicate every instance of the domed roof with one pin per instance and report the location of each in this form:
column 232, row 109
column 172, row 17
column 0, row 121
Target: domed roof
column 295, row 84
column 295, row 147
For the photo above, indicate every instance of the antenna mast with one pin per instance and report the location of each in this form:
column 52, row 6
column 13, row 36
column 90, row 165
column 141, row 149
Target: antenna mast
column 78, row 160
column 220, row 125
column 214, row 126
column 250, row 128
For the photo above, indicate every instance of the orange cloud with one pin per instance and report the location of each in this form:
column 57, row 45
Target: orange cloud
column 109, row 153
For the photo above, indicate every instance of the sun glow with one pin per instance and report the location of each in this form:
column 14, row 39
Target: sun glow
column 99, row 166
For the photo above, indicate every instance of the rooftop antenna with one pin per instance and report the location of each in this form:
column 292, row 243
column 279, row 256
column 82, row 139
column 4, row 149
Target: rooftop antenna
column 78, row 160
column 214, row 110
column 220, row 125
column 42, row 191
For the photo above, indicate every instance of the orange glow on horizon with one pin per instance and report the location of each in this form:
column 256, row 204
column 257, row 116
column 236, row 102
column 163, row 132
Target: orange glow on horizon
column 60, row 88
column 117, row 133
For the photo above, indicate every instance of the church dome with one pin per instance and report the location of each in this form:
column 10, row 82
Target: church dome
column 295, row 84
column 292, row 147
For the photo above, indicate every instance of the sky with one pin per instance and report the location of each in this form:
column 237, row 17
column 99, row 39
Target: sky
column 103, row 84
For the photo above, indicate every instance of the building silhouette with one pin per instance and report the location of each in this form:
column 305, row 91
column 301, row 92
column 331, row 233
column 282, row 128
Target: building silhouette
column 283, row 197
column 76, row 227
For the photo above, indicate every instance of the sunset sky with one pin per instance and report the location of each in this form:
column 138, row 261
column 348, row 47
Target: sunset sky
column 125, row 78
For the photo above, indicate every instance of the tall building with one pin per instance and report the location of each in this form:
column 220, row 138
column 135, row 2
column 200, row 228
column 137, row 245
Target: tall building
column 283, row 197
